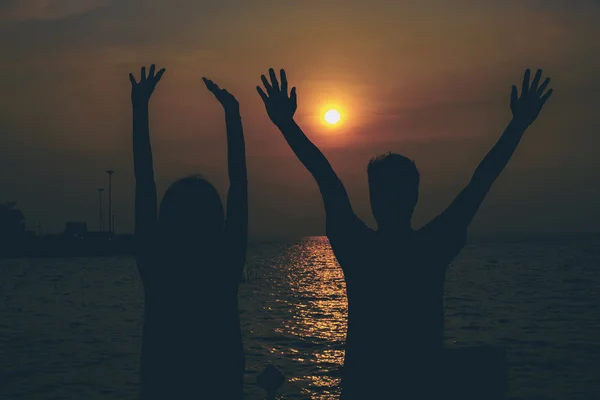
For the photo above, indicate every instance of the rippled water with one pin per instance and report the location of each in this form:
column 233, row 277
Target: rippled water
column 70, row 328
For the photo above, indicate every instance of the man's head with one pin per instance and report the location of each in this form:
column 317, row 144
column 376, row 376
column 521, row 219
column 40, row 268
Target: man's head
column 393, row 188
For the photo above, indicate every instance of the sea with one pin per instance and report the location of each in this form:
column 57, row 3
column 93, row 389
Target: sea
column 71, row 328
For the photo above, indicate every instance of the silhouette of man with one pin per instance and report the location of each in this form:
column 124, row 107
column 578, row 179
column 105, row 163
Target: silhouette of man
column 395, row 275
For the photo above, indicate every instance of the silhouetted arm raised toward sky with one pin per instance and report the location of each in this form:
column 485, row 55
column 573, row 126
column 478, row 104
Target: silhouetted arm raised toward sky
column 281, row 108
column 525, row 110
column 236, row 222
column 145, row 186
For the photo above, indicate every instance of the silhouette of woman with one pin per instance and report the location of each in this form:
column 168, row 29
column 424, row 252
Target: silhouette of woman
column 190, row 257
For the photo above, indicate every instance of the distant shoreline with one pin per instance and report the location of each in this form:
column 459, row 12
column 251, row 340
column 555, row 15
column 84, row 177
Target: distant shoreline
column 61, row 246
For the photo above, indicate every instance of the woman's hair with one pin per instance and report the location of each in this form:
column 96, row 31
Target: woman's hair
column 191, row 214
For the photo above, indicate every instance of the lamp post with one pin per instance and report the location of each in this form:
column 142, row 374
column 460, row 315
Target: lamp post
column 110, row 217
column 100, row 219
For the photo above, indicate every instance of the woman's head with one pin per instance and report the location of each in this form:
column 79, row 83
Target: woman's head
column 191, row 216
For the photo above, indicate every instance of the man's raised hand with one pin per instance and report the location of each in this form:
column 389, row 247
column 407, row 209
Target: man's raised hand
column 527, row 107
column 280, row 106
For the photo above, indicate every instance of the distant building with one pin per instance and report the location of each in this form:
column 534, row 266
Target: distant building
column 77, row 229
column 12, row 222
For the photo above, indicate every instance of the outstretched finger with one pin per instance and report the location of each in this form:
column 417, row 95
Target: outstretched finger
column 143, row 74
column 274, row 81
column 262, row 94
column 284, row 82
column 210, row 85
column 132, row 80
column 546, row 96
column 543, row 86
column 266, row 83
column 160, row 74
column 514, row 95
column 536, row 80
column 293, row 97
column 526, row 78
column 152, row 70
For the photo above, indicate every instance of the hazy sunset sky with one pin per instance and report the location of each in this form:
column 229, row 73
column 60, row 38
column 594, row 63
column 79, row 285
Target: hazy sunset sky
column 428, row 79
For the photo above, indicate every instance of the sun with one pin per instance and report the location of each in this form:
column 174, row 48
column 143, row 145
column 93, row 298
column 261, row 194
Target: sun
column 332, row 117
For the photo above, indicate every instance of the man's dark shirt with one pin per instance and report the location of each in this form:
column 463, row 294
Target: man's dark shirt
column 395, row 289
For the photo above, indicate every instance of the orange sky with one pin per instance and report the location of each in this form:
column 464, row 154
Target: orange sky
column 427, row 79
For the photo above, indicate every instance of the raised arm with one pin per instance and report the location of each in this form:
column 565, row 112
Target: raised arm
column 525, row 110
column 281, row 108
column 236, row 221
column 145, row 186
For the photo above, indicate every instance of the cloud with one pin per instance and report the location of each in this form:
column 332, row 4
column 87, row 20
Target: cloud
column 19, row 10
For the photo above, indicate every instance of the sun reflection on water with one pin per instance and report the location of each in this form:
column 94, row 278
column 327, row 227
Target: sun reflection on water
column 319, row 314
column 295, row 316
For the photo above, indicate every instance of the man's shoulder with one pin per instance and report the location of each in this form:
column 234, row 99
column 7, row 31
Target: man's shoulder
column 348, row 230
column 350, row 242
column 441, row 228
column 441, row 242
